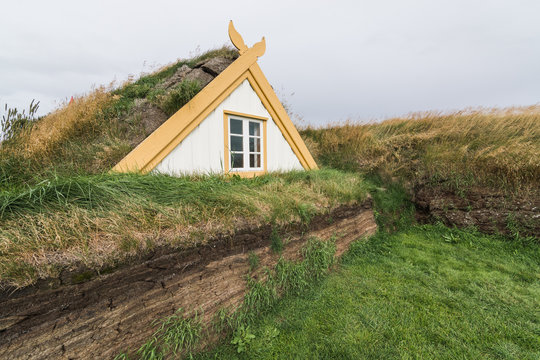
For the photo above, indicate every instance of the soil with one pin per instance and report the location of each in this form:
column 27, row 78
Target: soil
column 112, row 313
column 489, row 211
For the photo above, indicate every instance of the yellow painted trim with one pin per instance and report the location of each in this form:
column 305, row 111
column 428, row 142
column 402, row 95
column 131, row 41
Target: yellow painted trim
column 226, row 141
column 265, row 148
column 237, row 39
column 248, row 174
column 226, row 114
column 236, row 113
column 149, row 153
column 264, row 90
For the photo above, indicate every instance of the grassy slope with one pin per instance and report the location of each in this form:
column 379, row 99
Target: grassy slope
column 426, row 292
column 495, row 148
column 92, row 134
column 99, row 220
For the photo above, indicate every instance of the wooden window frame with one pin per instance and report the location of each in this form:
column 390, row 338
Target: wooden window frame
column 227, row 153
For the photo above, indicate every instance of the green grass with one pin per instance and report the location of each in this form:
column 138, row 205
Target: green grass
column 101, row 220
column 182, row 335
column 427, row 292
column 179, row 96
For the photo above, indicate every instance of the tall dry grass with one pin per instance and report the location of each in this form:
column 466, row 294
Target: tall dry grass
column 82, row 116
column 490, row 147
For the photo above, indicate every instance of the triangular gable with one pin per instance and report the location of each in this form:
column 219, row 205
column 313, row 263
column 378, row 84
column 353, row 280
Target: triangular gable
column 149, row 153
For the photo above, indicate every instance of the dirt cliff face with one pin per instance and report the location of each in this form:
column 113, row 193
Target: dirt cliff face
column 488, row 210
column 108, row 314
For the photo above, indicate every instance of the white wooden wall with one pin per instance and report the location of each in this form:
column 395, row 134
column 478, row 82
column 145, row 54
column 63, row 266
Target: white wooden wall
column 202, row 151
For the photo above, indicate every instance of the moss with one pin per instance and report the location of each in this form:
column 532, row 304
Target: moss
column 82, row 277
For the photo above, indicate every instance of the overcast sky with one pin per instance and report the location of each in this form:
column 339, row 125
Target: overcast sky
column 358, row 60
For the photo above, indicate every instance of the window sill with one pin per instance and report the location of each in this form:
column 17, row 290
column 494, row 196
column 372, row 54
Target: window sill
column 247, row 174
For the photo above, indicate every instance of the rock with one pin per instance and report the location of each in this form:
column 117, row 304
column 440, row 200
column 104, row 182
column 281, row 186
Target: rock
column 203, row 78
column 177, row 77
column 149, row 115
column 216, row 65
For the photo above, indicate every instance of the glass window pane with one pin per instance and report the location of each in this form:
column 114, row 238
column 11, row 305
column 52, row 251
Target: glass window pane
column 254, row 128
column 236, row 143
column 254, row 145
column 236, row 126
column 237, row 160
column 254, row 160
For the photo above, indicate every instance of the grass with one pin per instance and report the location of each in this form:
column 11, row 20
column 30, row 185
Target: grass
column 179, row 96
column 97, row 221
column 179, row 334
column 425, row 292
column 90, row 135
column 176, row 334
column 408, row 292
column 497, row 148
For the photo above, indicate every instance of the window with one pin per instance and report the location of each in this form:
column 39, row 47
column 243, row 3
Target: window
column 245, row 144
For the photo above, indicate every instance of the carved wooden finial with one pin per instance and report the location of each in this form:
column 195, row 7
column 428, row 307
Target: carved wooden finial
column 239, row 43
column 236, row 39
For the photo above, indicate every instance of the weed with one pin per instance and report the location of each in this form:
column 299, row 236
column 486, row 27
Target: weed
column 253, row 260
column 276, row 243
column 306, row 213
column 175, row 335
column 242, row 337
column 221, row 320
column 15, row 122
column 122, row 356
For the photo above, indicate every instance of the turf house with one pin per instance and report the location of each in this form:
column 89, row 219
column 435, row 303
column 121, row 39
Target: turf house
column 235, row 124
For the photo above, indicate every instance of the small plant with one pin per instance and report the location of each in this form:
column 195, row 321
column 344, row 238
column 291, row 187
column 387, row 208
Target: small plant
column 242, row 338
column 271, row 333
column 221, row 320
column 175, row 335
column 276, row 243
column 15, row 122
column 253, row 260
column 179, row 96
column 122, row 356
column 306, row 213
column 451, row 238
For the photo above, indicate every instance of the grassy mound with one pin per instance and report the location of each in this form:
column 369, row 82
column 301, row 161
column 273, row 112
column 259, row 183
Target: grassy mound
column 495, row 148
column 90, row 135
column 97, row 221
column 425, row 292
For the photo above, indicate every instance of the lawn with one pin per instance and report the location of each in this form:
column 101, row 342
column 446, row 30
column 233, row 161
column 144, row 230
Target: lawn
column 425, row 292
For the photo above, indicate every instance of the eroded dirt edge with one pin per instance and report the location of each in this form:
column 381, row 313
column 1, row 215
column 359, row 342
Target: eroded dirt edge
column 114, row 312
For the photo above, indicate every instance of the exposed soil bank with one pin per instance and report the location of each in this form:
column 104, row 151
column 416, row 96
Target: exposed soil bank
column 487, row 210
column 111, row 313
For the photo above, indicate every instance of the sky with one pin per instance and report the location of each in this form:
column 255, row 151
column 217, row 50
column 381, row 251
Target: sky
column 330, row 61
